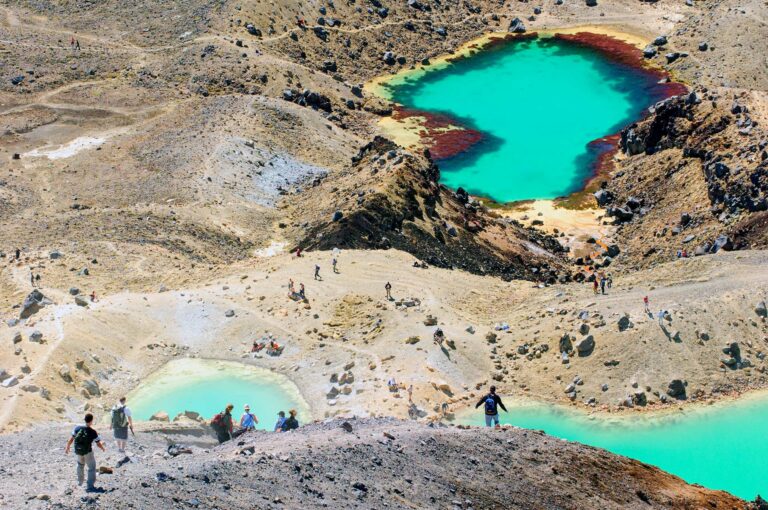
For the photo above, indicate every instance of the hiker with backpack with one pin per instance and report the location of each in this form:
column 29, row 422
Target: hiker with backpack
column 491, row 402
column 222, row 424
column 121, row 422
column 83, row 437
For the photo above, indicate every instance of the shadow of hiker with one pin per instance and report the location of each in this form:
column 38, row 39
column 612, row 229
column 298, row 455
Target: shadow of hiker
column 445, row 351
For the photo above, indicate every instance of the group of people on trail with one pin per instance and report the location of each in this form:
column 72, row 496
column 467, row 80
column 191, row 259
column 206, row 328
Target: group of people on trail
column 224, row 426
column 74, row 43
column 601, row 281
column 84, row 436
column 301, row 295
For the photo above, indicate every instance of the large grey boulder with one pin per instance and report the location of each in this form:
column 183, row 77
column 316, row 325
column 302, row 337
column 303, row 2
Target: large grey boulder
column 586, row 345
column 32, row 304
column 761, row 309
column 517, row 26
column 676, row 389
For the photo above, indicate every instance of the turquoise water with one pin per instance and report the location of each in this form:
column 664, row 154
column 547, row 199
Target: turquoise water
column 207, row 386
column 724, row 446
column 539, row 103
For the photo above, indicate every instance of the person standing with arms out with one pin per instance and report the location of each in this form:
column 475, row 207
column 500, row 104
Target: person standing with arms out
column 491, row 402
column 83, row 437
column 388, row 288
column 121, row 422
column 248, row 420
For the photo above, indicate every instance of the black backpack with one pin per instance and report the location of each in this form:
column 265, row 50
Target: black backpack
column 82, row 441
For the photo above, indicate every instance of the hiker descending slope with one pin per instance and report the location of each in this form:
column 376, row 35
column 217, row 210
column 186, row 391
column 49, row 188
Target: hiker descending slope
column 121, row 422
column 83, row 437
column 491, row 402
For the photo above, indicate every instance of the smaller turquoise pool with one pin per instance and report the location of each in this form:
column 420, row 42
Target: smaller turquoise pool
column 724, row 446
column 207, row 386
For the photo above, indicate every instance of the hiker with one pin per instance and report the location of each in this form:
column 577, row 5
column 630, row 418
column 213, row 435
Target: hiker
column 491, row 401
column 410, row 394
column 444, row 408
column 290, row 423
column 610, row 280
column 222, row 424
column 594, row 284
column 77, row 44
column 248, row 420
column 333, row 263
column 388, row 288
column 603, row 281
column 661, row 315
column 298, row 252
column 645, row 303
column 83, row 437
column 302, row 291
column 93, row 296
column 317, row 272
column 439, row 337
column 121, row 422
column 392, row 384
column 32, row 278
column 280, row 421
column 291, row 287
column 18, row 254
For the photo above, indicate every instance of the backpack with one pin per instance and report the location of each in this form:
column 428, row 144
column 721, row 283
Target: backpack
column 217, row 422
column 119, row 419
column 490, row 405
column 82, row 441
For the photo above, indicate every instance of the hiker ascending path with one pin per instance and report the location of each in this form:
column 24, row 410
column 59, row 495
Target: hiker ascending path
column 646, row 305
column 121, row 422
column 222, row 424
column 491, row 402
column 317, row 272
column 18, row 254
column 248, row 420
column 83, row 437
column 439, row 337
column 388, row 288
column 334, row 262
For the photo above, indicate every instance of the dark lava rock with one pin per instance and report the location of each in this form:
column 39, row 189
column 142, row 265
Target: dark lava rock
column 676, row 389
column 517, row 26
column 650, row 51
column 660, row 41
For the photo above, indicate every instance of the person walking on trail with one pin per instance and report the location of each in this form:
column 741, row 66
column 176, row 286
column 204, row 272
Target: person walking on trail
column 491, row 402
column 248, row 420
column 388, row 288
column 121, row 422
column 603, row 281
column 646, row 305
column 302, row 291
column 410, row 394
column 280, row 421
column 661, row 315
column 594, row 285
column 290, row 423
column 77, row 45
column 610, row 280
column 317, row 272
column 83, row 437
column 32, row 278
column 18, row 254
column 333, row 263
column 222, row 424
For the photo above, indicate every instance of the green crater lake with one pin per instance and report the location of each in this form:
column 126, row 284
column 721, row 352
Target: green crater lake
column 723, row 446
column 207, row 386
column 538, row 104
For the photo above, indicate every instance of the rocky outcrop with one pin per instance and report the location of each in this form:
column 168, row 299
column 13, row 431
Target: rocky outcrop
column 395, row 201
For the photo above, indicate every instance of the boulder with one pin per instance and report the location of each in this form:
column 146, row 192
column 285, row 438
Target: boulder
column 650, row 51
column 660, row 40
column 36, row 336
column 676, row 389
column 229, row 313
column 586, row 345
column 672, row 56
column 160, row 416
column 74, row 291
column 92, row 387
column 591, row 3
column 624, row 322
column 761, row 309
column 388, row 57
column 603, row 197
column 17, row 337
column 723, row 242
column 32, row 304
column 517, row 26
column 565, row 343
column 81, row 301
column 639, row 398
column 584, row 328
column 703, row 46
column 9, row 382
column 613, row 250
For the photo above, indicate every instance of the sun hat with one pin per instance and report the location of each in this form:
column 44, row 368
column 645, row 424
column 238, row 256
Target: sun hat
column 247, row 407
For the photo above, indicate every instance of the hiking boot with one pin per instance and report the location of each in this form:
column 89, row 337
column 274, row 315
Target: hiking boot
column 96, row 490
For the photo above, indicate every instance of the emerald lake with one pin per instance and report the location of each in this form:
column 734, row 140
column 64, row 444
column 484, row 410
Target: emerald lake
column 207, row 386
column 723, row 446
column 540, row 107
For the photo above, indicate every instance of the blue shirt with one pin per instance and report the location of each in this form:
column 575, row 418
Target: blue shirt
column 279, row 424
column 248, row 421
